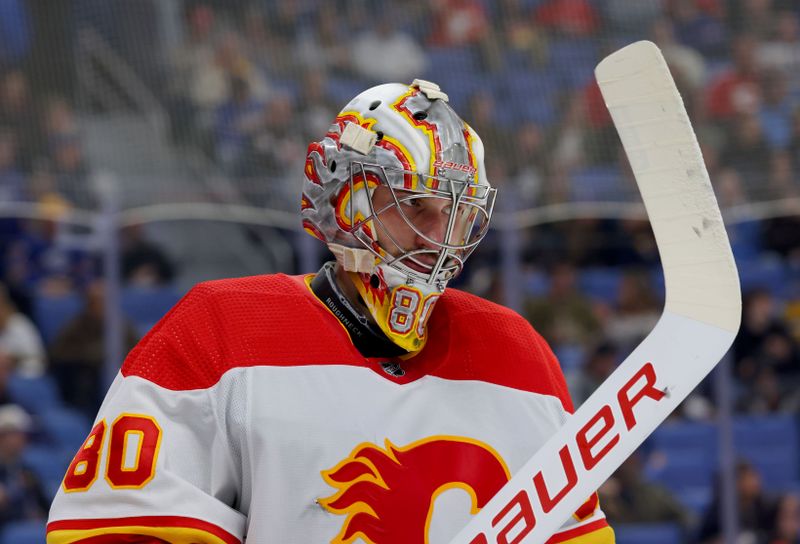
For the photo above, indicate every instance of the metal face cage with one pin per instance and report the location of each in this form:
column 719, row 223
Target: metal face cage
column 467, row 205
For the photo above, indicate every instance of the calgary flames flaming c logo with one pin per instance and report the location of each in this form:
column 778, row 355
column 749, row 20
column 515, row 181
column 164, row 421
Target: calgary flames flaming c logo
column 388, row 493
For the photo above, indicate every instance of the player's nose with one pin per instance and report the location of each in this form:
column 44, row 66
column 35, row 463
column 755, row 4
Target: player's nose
column 432, row 223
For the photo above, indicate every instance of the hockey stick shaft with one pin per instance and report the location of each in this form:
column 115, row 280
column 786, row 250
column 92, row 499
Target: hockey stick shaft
column 701, row 316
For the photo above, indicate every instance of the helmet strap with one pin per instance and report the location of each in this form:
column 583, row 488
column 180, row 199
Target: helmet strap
column 361, row 261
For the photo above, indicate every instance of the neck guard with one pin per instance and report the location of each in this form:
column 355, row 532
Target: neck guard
column 367, row 337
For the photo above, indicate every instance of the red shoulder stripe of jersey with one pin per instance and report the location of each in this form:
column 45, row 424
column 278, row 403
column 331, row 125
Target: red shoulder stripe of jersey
column 596, row 532
column 275, row 320
column 480, row 332
column 141, row 529
column 223, row 324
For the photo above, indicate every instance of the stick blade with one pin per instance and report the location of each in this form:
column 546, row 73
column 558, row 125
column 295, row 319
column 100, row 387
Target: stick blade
column 701, row 279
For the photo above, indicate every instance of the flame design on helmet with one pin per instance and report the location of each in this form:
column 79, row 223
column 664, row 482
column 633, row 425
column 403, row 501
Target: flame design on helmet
column 377, row 294
column 388, row 493
column 427, row 127
column 406, row 142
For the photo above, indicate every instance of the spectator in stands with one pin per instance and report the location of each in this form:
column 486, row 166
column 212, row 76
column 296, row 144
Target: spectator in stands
column 36, row 260
column 755, row 509
column 569, row 18
column 786, row 526
column 77, row 354
column 736, row 90
column 7, row 364
column 764, row 340
column 19, row 339
column 288, row 17
column 71, row 170
column 236, row 121
column 15, row 32
column 776, row 108
column 17, row 112
column 701, row 28
column 767, row 395
column 629, row 19
column 144, row 263
column 782, row 176
column 729, row 188
column 323, row 47
column 782, row 50
column 270, row 54
column 22, row 496
column 528, row 163
column 747, row 152
column 794, row 142
column 315, row 109
column 186, row 61
column 521, row 42
column 601, row 145
column 277, row 146
column 570, row 135
column 688, row 67
column 12, row 181
column 458, row 23
column 59, row 118
column 754, row 16
column 781, row 235
column 635, row 311
column 385, row 52
column 564, row 316
column 599, row 365
column 627, row 497
column 483, row 110
column 214, row 81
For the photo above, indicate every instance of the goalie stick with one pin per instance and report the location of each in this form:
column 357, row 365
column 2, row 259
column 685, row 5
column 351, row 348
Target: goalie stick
column 701, row 316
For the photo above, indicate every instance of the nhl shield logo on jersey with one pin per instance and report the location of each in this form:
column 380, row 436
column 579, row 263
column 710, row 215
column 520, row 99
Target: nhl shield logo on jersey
column 388, row 493
column 393, row 369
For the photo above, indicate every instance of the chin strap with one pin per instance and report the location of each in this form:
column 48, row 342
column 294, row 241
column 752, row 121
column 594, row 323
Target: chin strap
column 367, row 337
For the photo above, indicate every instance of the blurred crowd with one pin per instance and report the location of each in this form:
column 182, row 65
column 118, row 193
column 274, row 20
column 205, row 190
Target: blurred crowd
column 251, row 82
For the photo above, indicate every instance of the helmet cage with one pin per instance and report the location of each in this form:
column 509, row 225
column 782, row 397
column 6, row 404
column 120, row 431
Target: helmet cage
column 449, row 253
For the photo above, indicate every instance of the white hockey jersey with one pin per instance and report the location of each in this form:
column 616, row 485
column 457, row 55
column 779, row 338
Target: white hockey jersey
column 247, row 415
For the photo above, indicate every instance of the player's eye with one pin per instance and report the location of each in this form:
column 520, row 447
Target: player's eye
column 411, row 203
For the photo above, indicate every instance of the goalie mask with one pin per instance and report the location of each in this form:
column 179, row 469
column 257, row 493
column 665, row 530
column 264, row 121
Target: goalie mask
column 398, row 191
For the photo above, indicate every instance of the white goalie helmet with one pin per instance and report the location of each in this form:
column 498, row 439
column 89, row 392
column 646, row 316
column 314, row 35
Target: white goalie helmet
column 391, row 155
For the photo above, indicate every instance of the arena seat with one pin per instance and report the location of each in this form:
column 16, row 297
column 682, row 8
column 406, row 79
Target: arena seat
column 49, row 464
column 686, row 436
column 648, row 533
column 35, row 395
column 575, row 60
column 341, row 90
column 696, row 499
column 50, row 312
column 65, row 428
column 598, row 183
column 769, row 274
column 770, row 443
column 145, row 306
column 533, row 95
column 685, row 469
column 600, row 284
column 24, row 532
column 446, row 60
